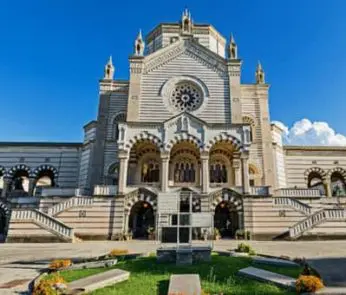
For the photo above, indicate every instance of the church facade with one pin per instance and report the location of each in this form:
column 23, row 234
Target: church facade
column 183, row 124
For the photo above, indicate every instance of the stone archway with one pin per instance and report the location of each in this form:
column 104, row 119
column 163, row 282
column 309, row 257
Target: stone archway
column 4, row 221
column 19, row 179
column 315, row 177
column 141, row 219
column 227, row 206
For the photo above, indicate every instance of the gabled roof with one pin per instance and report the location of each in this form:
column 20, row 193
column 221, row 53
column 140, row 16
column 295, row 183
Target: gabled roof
column 187, row 115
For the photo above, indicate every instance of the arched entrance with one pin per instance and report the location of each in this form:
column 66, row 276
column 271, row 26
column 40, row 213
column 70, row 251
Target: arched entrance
column 141, row 219
column 338, row 185
column 4, row 219
column 144, row 163
column 185, row 166
column 226, row 219
column 19, row 180
column 315, row 180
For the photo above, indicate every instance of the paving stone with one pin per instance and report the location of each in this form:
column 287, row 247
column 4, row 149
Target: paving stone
column 188, row 284
column 268, row 276
column 100, row 280
column 274, row 261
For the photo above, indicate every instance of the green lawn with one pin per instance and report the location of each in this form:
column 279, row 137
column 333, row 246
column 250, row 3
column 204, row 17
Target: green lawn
column 219, row 276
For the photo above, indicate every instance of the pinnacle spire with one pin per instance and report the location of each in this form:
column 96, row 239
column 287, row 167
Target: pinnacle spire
column 139, row 36
column 260, row 75
column 232, row 38
column 109, row 69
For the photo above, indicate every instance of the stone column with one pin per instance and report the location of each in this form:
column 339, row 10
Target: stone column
column 328, row 189
column 5, row 187
column 237, row 172
column 205, row 172
column 245, row 172
column 31, row 186
column 123, row 157
column 164, row 172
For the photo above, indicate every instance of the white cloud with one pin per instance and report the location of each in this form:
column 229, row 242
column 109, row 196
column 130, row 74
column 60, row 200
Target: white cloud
column 305, row 132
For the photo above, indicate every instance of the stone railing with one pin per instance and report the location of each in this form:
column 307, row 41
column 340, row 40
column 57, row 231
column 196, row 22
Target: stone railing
column 318, row 217
column 298, row 192
column 57, row 192
column 72, row 202
column 105, row 190
column 50, row 223
column 259, row 190
column 292, row 203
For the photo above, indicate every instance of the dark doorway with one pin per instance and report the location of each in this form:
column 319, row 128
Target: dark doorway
column 3, row 225
column 141, row 219
column 226, row 219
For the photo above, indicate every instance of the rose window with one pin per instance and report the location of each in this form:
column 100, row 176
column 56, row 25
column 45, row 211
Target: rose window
column 186, row 97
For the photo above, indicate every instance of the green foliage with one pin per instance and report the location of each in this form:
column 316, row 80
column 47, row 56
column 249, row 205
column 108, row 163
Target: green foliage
column 245, row 248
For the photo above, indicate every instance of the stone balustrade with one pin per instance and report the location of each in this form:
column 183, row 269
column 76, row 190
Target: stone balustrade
column 72, row 202
column 318, row 217
column 292, row 203
column 105, row 190
column 57, row 192
column 298, row 192
column 259, row 190
column 46, row 221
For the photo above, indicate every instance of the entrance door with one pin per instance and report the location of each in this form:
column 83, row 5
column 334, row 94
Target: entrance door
column 141, row 219
column 226, row 219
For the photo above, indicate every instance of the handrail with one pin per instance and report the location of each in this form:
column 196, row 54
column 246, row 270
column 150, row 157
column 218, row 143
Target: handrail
column 44, row 219
column 298, row 192
column 293, row 203
column 318, row 217
column 72, row 202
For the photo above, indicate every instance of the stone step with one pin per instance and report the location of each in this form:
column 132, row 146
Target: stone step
column 268, row 276
column 187, row 284
column 99, row 281
column 274, row 261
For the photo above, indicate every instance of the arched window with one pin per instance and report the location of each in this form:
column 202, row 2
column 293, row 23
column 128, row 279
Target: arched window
column 338, row 186
column 251, row 122
column 184, row 171
column 119, row 118
column 315, row 180
column 113, row 174
column 150, row 171
column 218, row 172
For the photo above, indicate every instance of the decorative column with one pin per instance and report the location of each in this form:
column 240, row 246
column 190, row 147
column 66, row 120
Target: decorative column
column 237, row 172
column 123, row 157
column 164, row 171
column 31, row 186
column 5, row 188
column 205, row 172
column 327, row 186
column 245, row 172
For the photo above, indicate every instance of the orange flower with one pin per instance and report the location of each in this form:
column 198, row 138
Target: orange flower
column 308, row 283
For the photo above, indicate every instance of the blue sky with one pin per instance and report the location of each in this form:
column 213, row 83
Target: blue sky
column 52, row 54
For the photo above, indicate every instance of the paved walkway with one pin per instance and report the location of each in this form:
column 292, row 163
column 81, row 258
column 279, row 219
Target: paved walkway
column 328, row 257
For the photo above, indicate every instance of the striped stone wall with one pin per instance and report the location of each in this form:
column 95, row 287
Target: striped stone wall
column 64, row 157
column 299, row 159
column 265, row 221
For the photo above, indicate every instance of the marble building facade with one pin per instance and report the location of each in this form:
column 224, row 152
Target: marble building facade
column 183, row 123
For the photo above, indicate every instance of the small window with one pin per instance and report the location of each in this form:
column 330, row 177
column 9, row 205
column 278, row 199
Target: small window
column 314, row 162
column 336, row 162
column 252, row 182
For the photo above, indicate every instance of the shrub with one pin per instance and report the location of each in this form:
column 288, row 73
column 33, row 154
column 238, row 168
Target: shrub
column 308, row 283
column 118, row 252
column 45, row 286
column 252, row 252
column 245, row 248
column 60, row 263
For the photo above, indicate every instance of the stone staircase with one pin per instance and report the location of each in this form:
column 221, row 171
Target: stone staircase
column 45, row 221
column 315, row 219
column 312, row 218
column 292, row 203
column 72, row 202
